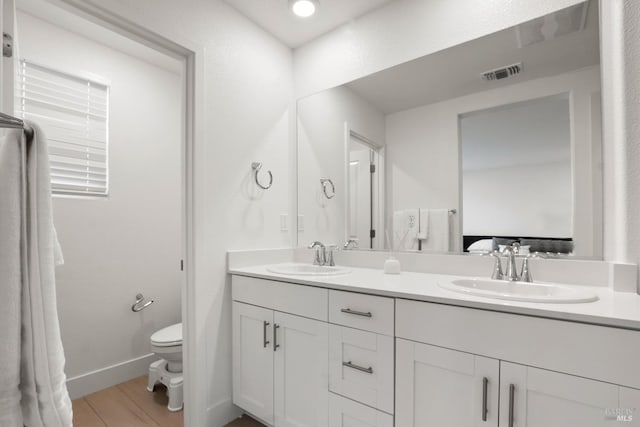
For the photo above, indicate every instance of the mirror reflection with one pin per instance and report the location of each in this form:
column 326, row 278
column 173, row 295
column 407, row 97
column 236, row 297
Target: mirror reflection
column 490, row 142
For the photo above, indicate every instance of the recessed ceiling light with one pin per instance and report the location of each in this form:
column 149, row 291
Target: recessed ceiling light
column 303, row 8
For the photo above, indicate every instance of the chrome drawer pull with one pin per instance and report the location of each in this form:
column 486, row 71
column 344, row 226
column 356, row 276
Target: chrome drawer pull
column 485, row 384
column 265, row 341
column 512, row 392
column 356, row 313
column 275, row 336
column 348, row 364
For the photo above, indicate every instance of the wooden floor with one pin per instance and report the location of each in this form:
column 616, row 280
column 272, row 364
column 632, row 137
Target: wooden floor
column 130, row 405
column 126, row 405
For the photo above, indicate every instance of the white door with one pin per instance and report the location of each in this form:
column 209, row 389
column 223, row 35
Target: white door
column 301, row 372
column 445, row 388
column 7, row 23
column 361, row 366
column 344, row 412
column 253, row 360
column 534, row 397
column 360, row 194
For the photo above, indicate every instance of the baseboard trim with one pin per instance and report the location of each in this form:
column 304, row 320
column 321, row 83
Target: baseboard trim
column 88, row 383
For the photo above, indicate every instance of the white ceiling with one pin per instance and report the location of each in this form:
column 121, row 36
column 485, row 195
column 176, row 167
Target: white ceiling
column 276, row 18
column 457, row 71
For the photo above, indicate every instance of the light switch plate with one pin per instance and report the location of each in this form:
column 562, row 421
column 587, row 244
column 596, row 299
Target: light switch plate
column 300, row 222
column 284, row 220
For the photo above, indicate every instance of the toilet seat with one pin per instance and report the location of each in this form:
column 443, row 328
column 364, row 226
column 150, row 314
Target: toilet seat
column 168, row 337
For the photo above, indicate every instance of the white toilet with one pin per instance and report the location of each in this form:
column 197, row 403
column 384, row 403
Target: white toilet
column 167, row 343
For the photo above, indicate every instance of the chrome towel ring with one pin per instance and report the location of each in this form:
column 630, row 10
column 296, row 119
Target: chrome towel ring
column 326, row 182
column 256, row 166
column 136, row 307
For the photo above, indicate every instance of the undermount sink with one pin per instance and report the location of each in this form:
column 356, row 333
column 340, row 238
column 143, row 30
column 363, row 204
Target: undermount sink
column 307, row 270
column 520, row 291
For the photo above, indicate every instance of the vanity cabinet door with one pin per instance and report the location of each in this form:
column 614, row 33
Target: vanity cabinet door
column 630, row 406
column 445, row 388
column 301, row 372
column 534, row 397
column 253, row 360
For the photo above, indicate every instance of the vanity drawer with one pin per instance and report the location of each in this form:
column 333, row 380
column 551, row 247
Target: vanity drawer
column 361, row 366
column 367, row 312
column 306, row 301
column 346, row 413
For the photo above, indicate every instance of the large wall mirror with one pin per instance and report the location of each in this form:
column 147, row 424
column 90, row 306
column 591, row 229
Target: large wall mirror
column 489, row 142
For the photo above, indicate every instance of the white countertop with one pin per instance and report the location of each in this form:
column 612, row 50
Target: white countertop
column 616, row 309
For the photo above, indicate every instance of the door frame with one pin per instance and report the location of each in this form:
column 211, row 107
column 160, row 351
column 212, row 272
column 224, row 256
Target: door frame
column 377, row 202
column 192, row 56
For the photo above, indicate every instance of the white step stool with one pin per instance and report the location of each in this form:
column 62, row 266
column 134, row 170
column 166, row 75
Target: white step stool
column 158, row 373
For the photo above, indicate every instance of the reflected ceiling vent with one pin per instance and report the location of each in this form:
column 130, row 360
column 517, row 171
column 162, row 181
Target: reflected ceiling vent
column 502, row 72
column 556, row 24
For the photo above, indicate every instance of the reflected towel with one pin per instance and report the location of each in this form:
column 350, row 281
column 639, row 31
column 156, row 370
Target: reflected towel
column 439, row 230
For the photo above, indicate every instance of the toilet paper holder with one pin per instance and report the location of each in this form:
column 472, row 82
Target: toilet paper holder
column 136, row 307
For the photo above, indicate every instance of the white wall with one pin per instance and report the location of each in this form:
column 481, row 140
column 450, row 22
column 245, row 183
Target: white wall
column 129, row 242
column 322, row 154
column 423, row 151
column 621, row 111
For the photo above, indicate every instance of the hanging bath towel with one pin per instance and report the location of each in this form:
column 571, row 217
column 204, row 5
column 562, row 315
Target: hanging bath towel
column 45, row 400
column 10, row 278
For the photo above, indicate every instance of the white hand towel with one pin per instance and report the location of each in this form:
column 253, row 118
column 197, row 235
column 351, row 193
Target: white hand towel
column 45, row 400
column 438, row 240
column 10, row 278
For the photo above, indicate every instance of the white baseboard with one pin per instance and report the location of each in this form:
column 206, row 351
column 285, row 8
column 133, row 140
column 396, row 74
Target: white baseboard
column 100, row 379
column 221, row 413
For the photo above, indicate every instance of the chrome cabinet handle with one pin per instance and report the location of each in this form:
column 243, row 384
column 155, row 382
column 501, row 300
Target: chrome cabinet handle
column 485, row 384
column 265, row 342
column 357, row 313
column 348, row 364
column 512, row 392
column 275, row 336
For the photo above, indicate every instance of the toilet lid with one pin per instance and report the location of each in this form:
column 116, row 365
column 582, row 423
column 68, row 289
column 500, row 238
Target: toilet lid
column 171, row 335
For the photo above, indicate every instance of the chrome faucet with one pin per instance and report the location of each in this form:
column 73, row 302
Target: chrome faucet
column 351, row 244
column 321, row 254
column 512, row 271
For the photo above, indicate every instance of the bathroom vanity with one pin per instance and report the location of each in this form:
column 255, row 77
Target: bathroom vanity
column 370, row 349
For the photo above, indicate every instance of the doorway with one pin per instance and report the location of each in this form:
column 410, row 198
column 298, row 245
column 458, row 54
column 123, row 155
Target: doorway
column 365, row 191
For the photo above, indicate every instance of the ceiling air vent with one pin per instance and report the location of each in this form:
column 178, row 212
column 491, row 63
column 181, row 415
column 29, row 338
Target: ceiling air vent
column 502, row 72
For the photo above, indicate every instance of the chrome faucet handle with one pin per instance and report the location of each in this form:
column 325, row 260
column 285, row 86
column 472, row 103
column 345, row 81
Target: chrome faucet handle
column 497, row 273
column 330, row 261
column 525, row 274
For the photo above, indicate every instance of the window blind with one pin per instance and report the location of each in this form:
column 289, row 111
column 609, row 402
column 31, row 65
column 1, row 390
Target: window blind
column 74, row 114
